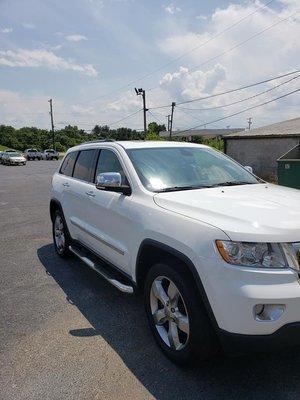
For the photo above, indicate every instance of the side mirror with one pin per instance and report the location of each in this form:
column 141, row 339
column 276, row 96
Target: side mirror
column 112, row 181
column 248, row 168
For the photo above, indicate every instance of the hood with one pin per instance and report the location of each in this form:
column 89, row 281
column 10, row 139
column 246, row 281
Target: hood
column 19, row 158
column 259, row 212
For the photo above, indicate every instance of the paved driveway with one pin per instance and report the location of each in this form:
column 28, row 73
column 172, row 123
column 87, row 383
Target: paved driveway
column 67, row 334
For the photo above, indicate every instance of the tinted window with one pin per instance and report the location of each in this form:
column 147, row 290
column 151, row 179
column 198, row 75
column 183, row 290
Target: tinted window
column 109, row 162
column 84, row 166
column 68, row 164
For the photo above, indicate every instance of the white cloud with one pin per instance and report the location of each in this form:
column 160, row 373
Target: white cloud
column 79, row 109
column 172, row 9
column 186, row 84
column 57, row 47
column 42, row 58
column 272, row 53
column 28, row 25
column 128, row 102
column 21, row 110
column 6, row 30
column 201, row 17
column 75, row 38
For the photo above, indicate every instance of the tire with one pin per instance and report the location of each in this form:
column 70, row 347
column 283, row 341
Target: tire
column 61, row 237
column 195, row 339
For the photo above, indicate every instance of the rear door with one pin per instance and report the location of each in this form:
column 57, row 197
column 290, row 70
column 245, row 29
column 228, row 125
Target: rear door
column 81, row 188
column 108, row 216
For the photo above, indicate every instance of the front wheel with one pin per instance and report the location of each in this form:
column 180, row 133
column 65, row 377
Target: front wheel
column 176, row 314
column 61, row 237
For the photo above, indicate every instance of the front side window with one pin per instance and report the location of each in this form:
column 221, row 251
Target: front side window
column 178, row 168
column 109, row 162
column 68, row 164
column 85, row 165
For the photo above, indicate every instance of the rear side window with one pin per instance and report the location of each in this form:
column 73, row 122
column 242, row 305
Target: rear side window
column 68, row 164
column 85, row 164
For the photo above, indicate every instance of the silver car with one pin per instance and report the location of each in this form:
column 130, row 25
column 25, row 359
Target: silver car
column 14, row 158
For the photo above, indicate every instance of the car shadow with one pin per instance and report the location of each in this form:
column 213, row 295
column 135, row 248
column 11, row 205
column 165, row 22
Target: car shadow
column 121, row 321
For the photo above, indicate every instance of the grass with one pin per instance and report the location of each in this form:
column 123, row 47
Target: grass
column 3, row 148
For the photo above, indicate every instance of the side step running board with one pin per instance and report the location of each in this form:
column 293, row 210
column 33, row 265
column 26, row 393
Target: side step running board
column 101, row 271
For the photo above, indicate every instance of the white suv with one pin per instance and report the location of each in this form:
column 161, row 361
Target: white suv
column 214, row 249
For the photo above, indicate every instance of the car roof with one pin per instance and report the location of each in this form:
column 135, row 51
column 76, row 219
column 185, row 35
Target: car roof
column 137, row 144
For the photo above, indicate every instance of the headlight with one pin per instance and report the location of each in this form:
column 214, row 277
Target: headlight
column 260, row 255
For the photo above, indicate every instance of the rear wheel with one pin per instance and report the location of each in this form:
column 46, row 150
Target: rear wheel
column 176, row 314
column 61, row 237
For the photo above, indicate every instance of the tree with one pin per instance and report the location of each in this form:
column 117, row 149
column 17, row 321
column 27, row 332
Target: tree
column 153, row 131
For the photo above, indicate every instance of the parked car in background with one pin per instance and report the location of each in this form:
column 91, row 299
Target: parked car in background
column 4, row 153
column 50, row 154
column 33, row 154
column 214, row 249
column 14, row 158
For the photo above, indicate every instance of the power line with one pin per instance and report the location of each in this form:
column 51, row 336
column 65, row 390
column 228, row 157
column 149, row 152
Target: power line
column 240, row 112
column 242, row 100
column 229, row 91
column 247, row 40
column 109, row 123
column 156, row 118
column 242, row 43
column 183, row 54
column 122, row 119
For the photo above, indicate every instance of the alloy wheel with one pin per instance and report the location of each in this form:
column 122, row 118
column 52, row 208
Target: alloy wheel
column 169, row 313
column 59, row 234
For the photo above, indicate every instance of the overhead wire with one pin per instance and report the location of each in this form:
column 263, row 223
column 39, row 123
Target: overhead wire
column 240, row 112
column 145, row 76
column 241, row 100
column 229, row 91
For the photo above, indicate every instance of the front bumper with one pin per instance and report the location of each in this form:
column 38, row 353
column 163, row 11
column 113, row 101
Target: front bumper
column 287, row 336
column 234, row 293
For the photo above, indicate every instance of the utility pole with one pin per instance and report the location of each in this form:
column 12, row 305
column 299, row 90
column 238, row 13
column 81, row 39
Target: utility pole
column 52, row 124
column 141, row 92
column 249, row 123
column 171, row 120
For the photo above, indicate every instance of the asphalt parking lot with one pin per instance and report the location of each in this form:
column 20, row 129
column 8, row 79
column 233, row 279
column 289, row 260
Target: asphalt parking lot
column 67, row 334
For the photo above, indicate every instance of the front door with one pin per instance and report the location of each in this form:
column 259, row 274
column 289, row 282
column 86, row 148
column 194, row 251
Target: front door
column 108, row 217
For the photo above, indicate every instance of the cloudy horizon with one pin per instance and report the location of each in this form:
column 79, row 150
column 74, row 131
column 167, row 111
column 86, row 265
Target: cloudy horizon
column 88, row 55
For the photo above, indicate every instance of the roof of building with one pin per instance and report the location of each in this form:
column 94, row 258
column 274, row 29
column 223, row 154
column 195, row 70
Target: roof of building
column 290, row 127
column 207, row 133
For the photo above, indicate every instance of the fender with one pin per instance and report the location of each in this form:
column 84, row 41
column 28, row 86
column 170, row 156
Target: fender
column 190, row 265
column 54, row 203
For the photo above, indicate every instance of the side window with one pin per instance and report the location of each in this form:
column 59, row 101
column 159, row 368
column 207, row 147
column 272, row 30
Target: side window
column 109, row 162
column 68, row 164
column 84, row 166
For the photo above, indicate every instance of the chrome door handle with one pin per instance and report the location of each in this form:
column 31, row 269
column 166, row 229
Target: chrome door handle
column 91, row 194
column 66, row 184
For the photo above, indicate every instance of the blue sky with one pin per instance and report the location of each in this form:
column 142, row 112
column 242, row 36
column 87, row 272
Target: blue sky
column 82, row 53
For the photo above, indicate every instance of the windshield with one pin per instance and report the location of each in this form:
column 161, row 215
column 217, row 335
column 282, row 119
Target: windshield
column 182, row 168
column 15, row 155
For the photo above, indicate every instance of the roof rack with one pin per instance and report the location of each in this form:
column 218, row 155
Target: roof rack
column 99, row 141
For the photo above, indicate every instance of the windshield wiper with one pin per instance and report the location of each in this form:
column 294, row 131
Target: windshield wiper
column 233, row 183
column 178, row 188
